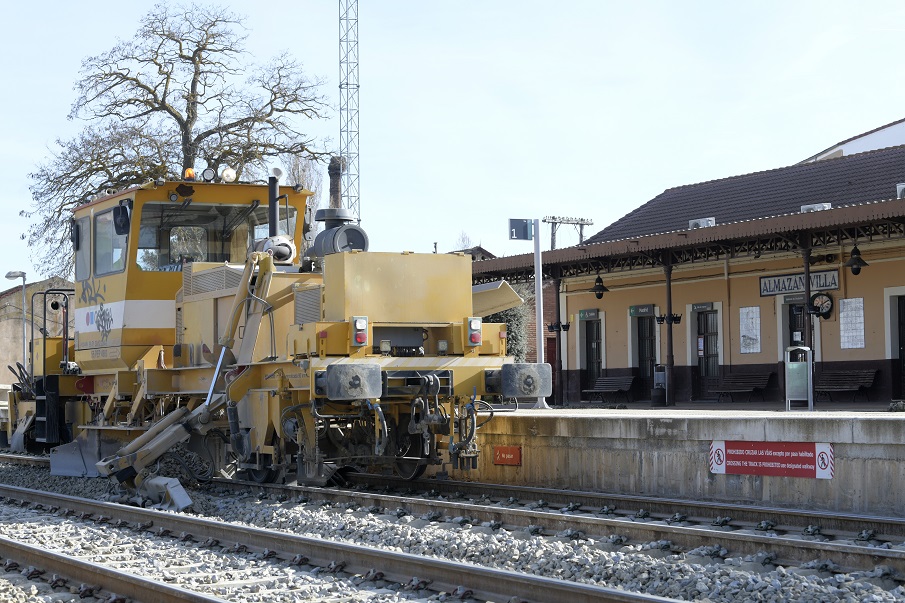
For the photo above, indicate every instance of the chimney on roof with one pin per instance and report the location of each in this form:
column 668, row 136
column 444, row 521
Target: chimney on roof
column 334, row 171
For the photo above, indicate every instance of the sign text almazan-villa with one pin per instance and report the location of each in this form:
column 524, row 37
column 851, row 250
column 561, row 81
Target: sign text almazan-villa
column 793, row 283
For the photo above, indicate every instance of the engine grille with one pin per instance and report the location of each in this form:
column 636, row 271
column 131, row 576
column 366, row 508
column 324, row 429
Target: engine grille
column 207, row 281
column 308, row 304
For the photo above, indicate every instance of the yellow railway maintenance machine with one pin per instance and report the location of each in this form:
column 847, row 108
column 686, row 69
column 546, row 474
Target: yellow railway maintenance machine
column 200, row 334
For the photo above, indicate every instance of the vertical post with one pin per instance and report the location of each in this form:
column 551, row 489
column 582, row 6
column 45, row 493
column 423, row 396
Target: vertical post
column 24, row 330
column 806, row 256
column 558, row 393
column 273, row 206
column 539, row 304
column 670, row 359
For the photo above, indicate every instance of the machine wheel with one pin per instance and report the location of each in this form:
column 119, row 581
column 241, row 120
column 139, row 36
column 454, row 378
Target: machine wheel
column 266, row 475
column 409, row 445
column 263, row 476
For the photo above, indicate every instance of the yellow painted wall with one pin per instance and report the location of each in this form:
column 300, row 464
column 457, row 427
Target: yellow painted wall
column 730, row 286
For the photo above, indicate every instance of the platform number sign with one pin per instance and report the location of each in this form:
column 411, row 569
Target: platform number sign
column 520, row 230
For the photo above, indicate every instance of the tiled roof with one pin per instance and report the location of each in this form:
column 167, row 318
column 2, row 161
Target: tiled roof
column 860, row 178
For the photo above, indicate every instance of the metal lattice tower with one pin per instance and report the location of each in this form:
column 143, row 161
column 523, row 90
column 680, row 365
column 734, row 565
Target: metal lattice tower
column 348, row 103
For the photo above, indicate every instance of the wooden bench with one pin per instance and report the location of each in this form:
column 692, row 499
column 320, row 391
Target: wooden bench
column 611, row 385
column 846, row 380
column 742, row 383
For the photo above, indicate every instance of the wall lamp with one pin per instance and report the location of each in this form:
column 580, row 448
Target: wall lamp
column 558, row 326
column 599, row 288
column 816, row 259
column 855, row 263
column 671, row 319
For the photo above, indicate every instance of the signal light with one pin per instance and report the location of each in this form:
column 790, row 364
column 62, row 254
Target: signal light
column 474, row 331
column 189, row 174
column 359, row 330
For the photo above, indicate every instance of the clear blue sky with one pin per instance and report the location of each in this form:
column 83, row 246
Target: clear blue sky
column 474, row 112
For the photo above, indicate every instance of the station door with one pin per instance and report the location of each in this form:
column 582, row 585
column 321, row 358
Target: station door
column 647, row 351
column 593, row 354
column 900, row 379
column 708, row 352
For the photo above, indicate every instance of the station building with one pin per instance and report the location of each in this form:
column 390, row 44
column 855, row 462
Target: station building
column 723, row 277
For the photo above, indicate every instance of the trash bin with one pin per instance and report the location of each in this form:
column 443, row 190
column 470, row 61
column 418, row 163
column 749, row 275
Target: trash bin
column 658, row 393
column 799, row 376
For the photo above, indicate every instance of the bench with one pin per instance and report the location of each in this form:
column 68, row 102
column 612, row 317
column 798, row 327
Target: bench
column 611, row 385
column 742, row 383
column 848, row 380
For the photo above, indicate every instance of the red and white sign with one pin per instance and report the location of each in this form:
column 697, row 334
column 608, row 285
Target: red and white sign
column 507, row 455
column 784, row 459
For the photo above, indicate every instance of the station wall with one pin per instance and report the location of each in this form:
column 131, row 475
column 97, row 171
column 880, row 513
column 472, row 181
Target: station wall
column 753, row 310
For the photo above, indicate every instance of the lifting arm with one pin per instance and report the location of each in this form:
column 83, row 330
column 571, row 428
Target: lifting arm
column 129, row 462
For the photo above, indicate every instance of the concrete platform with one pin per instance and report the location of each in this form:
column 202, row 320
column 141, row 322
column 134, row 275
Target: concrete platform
column 671, row 451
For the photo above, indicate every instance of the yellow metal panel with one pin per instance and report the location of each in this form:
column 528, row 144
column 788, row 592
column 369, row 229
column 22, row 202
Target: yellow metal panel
column 199, row 324
column 495, row 297
column 394, row 287
column 48, row 353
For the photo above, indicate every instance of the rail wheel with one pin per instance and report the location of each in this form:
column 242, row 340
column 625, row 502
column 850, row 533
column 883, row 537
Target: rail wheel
column 410, row 453
column 265, row 475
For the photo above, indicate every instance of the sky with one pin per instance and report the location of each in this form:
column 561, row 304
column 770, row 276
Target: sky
column 477, row 111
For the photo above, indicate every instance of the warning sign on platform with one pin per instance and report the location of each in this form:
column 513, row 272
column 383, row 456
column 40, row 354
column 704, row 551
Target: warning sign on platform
column 784, row 459
column 507, row 455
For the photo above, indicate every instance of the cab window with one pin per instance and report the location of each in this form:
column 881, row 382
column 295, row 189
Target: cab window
column 80, row 238
column 172, row 235
column 109, row 248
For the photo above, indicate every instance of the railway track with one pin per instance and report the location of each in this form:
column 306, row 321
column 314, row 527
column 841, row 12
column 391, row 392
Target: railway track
column 668, row 532
column 791, row 536
column 44, row 517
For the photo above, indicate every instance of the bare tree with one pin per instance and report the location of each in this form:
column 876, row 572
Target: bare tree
column 463, row 242
column 180, row 91
column 306, row 172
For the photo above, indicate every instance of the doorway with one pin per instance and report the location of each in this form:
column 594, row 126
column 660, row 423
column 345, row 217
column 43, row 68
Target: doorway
column 900, row 364
column 647, row 351
column 798, row 317
column 593, row 353
column 708, row 351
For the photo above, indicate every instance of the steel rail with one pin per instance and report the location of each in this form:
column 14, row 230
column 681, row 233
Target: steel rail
column 738, row 540
column 885, row 527
column 25, row 459
column 486, row 583
column 111, row 580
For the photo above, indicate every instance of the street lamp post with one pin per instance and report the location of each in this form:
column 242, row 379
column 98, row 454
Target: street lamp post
column 13, row 275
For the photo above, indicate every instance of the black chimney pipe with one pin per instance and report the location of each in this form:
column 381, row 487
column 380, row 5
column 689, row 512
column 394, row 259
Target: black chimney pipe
column 273, row 206
column 334, row 171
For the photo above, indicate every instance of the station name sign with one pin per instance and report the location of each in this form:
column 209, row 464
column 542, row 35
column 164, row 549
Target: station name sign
column 794, row 283
column 781, row 459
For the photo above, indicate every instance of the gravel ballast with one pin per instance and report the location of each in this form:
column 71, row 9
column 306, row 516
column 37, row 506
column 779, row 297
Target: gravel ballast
column 646, row 568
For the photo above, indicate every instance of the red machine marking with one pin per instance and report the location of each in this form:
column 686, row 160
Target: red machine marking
column 507, row 455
